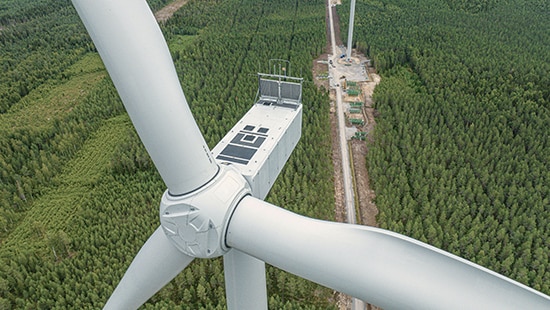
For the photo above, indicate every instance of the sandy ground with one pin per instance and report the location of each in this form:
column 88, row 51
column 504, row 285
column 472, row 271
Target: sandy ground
column 166, row 12
column 368, row 210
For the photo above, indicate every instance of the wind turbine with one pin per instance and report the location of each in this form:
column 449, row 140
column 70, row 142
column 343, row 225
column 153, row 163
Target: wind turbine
column 350, row 29
column 213, row 205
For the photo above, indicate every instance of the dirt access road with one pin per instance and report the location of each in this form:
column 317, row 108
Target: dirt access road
column 359, row 149
column 364, row 195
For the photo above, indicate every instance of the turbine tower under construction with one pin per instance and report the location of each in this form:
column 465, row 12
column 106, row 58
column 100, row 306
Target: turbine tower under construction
column 350, row 30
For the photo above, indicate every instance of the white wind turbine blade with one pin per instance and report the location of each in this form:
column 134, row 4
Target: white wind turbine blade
column 156, row 264
column 384, row 268
column 139, row 63
column 245, row 287
column 138, row 60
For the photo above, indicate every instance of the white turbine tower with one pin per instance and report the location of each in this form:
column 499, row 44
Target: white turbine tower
column 213, row 205
column 350, row 29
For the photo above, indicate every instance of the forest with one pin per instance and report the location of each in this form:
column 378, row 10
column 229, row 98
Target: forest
column 461, row 158
column 79, row 194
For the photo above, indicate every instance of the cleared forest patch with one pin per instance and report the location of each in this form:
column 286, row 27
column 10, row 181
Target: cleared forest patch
column 53, row 212
column 55, row 99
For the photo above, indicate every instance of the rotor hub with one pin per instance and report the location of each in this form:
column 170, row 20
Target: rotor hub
column 196, row 222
